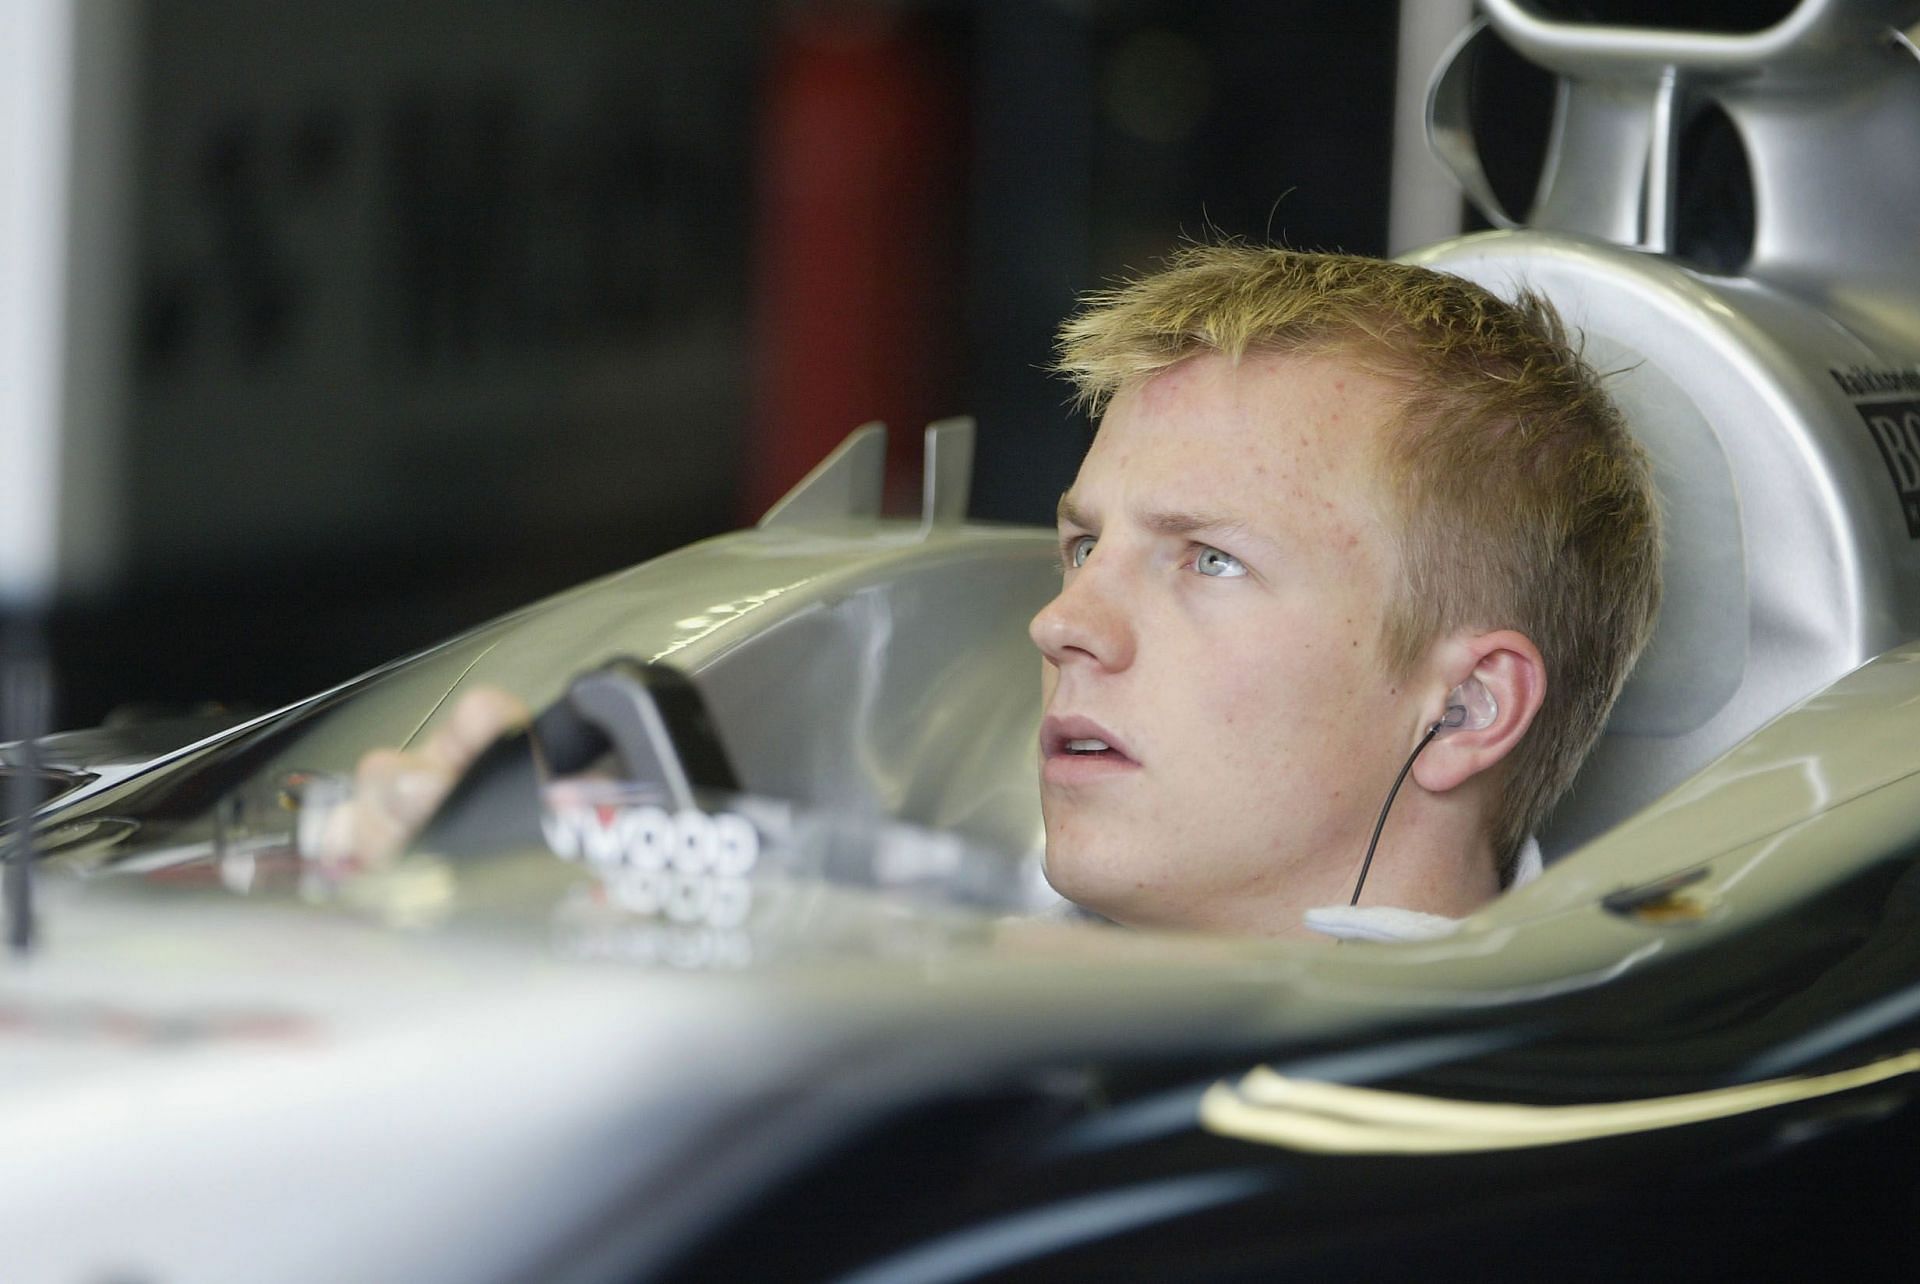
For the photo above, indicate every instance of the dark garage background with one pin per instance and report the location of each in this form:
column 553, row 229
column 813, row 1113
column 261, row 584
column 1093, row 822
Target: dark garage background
column 435, row 308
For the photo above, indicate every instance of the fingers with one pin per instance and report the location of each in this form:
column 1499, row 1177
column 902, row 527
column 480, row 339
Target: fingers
column 480, row 717
column 394, row 794
column 403, row 786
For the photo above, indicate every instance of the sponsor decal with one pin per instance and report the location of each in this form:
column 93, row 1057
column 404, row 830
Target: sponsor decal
column 1893, row 421
column 688, row 867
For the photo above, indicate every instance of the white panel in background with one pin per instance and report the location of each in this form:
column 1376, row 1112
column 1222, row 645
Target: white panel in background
column 36, row 68
column 65, row 75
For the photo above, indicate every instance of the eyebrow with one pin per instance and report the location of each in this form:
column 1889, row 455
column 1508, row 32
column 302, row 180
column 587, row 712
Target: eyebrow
column 1168, row 522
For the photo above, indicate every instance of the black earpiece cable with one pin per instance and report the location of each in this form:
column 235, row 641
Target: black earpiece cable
column 1456, row 716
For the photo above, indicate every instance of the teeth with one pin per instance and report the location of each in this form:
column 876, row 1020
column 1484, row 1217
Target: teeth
column 1086, row 746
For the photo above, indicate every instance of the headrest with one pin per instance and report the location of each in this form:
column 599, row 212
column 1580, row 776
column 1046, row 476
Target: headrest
column 1789, row 556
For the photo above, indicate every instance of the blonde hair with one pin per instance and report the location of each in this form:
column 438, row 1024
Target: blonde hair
column 1518, row 497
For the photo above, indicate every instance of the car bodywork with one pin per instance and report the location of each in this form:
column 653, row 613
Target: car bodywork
column 484, row 1067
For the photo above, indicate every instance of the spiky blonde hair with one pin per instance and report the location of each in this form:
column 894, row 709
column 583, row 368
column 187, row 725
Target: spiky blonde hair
column 1517, row 497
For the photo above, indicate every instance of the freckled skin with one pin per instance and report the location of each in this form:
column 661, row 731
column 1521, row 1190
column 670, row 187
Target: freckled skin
column 1263, row 751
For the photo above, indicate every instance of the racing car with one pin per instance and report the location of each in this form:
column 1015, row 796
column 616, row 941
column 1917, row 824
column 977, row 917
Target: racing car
column 779, row 995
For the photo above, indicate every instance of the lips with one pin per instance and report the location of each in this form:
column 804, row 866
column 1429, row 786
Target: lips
column 1075, row 750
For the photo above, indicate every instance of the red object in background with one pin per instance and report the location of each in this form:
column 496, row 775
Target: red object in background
column 862, row 174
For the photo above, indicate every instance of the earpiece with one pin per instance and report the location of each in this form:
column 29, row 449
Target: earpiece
column 1470, row 705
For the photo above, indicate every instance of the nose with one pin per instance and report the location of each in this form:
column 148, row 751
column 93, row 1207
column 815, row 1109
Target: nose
column 1086, row 623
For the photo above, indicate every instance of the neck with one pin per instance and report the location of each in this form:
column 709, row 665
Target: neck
column 1434, row 854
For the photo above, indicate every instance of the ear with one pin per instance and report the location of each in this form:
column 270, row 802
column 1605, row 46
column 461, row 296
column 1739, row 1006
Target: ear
column 1509, row 666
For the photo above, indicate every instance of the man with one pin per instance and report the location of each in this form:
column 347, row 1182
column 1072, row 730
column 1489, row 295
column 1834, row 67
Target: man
column 1328, row 493
column 1329, row 499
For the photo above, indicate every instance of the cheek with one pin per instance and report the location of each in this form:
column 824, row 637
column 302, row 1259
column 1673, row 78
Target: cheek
column 1244, row 722
column 1297, row 693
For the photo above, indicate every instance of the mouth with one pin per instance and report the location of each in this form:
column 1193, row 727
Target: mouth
column 1075, row 748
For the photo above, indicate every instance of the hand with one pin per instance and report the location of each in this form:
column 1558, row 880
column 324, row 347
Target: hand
column 396, row 791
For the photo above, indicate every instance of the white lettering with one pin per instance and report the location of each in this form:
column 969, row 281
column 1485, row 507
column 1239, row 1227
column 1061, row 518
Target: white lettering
column 601, row 840
column 694, row 830
column 653, row 838
column 732, row 899
column 736, row 845
column 562, row 834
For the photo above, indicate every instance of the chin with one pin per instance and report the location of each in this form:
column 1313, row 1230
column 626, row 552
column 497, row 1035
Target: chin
column 1099, row 882
column 1069, row 874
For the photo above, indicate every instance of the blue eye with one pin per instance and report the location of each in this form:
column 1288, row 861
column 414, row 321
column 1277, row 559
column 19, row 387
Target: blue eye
column 1223, row 566
column 1077, row 550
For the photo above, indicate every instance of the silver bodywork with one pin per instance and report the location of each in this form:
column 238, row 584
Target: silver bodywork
column 240, row 1088
column 456, row 1046
column 853, row 663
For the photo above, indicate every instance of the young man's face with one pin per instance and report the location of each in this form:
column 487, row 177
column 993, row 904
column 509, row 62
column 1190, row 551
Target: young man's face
column 1227, row 564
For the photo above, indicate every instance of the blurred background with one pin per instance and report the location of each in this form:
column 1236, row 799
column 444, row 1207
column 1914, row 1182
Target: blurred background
column 404, row 315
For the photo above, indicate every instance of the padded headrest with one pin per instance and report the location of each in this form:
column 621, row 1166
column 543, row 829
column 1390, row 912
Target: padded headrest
column 1695, row 661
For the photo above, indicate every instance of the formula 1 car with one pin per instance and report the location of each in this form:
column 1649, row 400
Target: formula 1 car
column 781, row 1000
